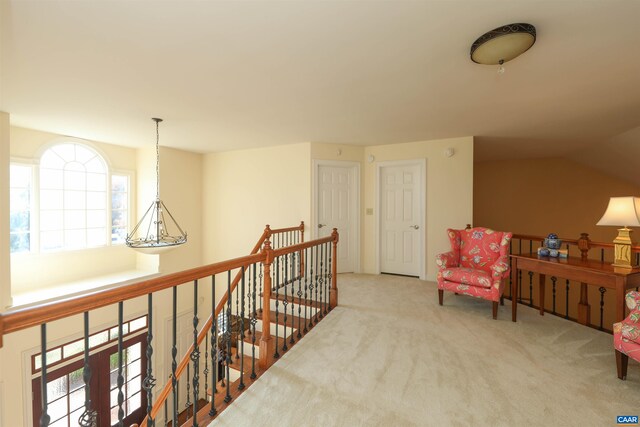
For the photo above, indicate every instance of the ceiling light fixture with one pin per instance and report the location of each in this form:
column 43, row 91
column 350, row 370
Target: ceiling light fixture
column 503, row 44
column 158, row 237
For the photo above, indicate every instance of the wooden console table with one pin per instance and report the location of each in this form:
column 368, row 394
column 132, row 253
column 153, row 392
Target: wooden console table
column 586, row 271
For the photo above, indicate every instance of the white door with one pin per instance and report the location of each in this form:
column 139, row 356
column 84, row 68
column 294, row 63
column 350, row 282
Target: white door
column 401, row 225
column 337, row 207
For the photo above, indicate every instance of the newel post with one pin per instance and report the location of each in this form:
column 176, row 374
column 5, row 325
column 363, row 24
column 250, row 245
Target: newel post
column 266, row 342
column 584, row 244
column 333, row 302
column 301, row 255
column 1, row 329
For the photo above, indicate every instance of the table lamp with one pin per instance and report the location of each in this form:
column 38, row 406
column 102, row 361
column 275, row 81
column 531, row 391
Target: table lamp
column 622, row 211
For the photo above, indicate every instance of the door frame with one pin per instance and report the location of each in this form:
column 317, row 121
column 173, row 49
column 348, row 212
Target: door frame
column 355, row 189
column 422, row 165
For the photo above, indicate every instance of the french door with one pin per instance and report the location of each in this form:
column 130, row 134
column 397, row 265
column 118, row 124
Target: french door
column 66, row 394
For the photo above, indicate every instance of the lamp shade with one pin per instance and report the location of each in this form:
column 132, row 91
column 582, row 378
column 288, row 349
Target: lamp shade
column 622, row 211
column 503, row 43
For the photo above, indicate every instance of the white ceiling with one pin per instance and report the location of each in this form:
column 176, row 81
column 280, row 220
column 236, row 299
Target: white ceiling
column 239, row 74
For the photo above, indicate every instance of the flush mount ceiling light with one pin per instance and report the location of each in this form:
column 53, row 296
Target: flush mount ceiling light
column 157, row 222
column 503, row 44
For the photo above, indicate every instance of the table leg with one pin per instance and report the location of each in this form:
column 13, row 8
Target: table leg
column 514, row 292
column 542, row 278
column 584, row 309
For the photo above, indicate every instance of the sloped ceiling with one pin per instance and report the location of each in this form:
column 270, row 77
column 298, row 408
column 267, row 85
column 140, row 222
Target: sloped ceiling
column 240, row 74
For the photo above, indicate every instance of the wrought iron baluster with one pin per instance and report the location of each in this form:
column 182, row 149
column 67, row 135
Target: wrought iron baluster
column 166, row 411
column 519, row 246
column 306, row 287
column 188, row 402
column 311, row 286
column 174, row 353
column 299, row 296
column 227, row 336
column 318, row 283
column 510, row 266
column 329, row 277
column 276, row 354
column 44, row 416
column 88, row 417
column 602, row 254
column 241, row 335
column 195, row 354
column 149, row 381
column 553, row 282
column 530, row 273
column 254, row 320
column 566, row 303
column 120, row 380
column 520, row 286
column 530, row 246
column 293, row 272
column 321, row 283
column 214, row 348
column 205, row 371
column 602, row 292
column 260, row 277
column 285, row 302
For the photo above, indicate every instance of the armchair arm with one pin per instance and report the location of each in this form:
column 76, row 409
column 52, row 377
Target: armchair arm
column 500, row 267
column 446, row 260
column 633, row 300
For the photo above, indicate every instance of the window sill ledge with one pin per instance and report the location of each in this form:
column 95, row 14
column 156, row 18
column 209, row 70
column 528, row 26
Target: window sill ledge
column 53, row 293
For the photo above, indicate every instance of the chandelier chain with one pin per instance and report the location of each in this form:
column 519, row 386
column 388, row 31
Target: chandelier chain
column 157, row 160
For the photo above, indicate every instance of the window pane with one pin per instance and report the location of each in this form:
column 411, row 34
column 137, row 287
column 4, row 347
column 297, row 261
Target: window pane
column 73, row 348
column 96, row 218
column 119, row 201
column 75, row 219
column 83, row 154
column 96, row 237
column 114, row 415
column 19, row 176
column 75, row 180
column 113, row 332
column 136, row 324
column 113, row 379
column 118, row 235
column 65, row 151
column 50, row 240
column 57, row 388
column 75, row 380
column 74, row 417
column 96, row 199
column 96, row 165
column 133, row 403
column 96, row 182
column 20, row 242
column 51, row 220
column 51, row 199
column 19, row 199
column 51, row 160
column 133, row 386
column 99, row 338
column 76, row 399
column 75, row 199
column 52, row 356
column 133, row 352
column 19, row 221
column 62, row 422
column 58, row 408
column 133, row 370
column 75, row 239
column 51, row 178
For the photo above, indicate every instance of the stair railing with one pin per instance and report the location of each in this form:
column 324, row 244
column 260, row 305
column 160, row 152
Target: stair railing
column 248, row 266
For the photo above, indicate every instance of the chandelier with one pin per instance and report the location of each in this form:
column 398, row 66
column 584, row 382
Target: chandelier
column 157, row 223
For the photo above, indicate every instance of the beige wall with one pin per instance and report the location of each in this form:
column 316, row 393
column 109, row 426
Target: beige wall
column 246, row 189
column 449, row 201
column 5, row 265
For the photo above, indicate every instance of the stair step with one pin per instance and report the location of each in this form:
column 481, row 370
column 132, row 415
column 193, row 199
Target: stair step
column 299, row 301
column 311, row 310
column 248, row 344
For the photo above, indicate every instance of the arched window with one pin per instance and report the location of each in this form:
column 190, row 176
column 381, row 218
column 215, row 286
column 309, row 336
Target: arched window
column 73, row 198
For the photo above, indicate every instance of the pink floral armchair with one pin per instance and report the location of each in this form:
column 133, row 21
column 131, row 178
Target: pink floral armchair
column 477, row 264
column 626, row 335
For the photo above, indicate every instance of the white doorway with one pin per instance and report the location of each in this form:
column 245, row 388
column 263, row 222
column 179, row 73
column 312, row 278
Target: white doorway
column 401, row 219
column 337, row 205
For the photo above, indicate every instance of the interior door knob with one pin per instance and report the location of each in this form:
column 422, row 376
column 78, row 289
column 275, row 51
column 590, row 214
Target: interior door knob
column 415, row 227
column 322, row 225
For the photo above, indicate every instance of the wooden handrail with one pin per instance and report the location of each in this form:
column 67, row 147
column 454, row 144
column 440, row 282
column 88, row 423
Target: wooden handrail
column 18, row 319
column 592, row 244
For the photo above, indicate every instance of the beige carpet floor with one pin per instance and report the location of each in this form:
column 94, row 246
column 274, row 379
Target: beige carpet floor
column 390, row 356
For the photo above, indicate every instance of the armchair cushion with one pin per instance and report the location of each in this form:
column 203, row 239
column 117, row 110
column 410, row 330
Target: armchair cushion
column 467, row 276
column 480, row 248
column 630, row 327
